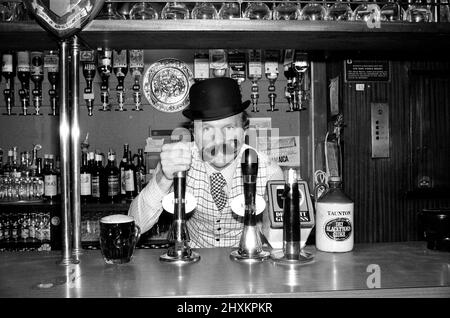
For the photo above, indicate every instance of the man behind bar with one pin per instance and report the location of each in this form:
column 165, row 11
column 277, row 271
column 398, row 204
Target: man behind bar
column 212, row 162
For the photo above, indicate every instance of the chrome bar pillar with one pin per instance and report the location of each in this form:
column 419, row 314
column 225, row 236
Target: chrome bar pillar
column 75, row 150
column 64, row 149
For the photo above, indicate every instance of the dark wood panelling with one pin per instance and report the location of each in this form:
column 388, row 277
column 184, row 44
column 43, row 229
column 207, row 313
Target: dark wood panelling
column 378, row 186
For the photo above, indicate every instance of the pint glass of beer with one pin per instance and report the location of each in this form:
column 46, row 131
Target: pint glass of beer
column 118, row 237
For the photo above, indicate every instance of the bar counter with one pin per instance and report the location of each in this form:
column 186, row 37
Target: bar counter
column 406, row 269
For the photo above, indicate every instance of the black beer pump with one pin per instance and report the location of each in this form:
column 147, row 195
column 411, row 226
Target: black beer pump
column 292, row 253
column 179, row 251
column 250, row 246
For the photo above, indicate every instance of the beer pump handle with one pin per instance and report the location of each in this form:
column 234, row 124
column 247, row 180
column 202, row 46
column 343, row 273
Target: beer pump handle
column 249, row 163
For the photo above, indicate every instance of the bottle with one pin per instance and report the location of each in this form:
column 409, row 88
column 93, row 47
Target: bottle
column 122, row 165
column 130, row 178
column 1, row 162
column 141, row 171
column 58, row 174
column 50, row 180
column 334, row 219
column 15, row 169
column 38, row 179
column 97, row 178
column 112, row 174
column 9, row 164
column 85, row 179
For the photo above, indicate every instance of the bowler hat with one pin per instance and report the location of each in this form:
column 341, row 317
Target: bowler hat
column 214, row 99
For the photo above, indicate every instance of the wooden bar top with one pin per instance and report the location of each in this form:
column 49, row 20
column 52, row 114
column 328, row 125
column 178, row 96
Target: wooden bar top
column 406, row 269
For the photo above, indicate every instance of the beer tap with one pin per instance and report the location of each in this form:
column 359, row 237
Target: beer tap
column 104, row 69
column 87, row 58
column 37, row 77
column 254, row 74
column 51, row 63
column 292, row 253
column 23, row 74
column 8, row 73
column 179, row 251
column 136, row 69
column 250, row 245
column 120, row 68
column 271, row 71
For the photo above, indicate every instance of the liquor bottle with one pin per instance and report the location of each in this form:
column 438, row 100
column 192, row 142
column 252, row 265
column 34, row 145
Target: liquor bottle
column 175, row 11
column 15, row 169
column 23, row 74
column 120, row 68
column 9, row 163
column 230, row 10
column 141, row 171
column 51, row 63
column 1, row 162
column 257, row 11
column 122, row 165
column 58, row 174
column 339, row 11
column 104, row 67
column 24, row 164
column 313, row 11
column 50, row 180
column 85, row 179
column 286, row 10
column 136, row 70
column 254, row 74
column 8, row 72
column 88, row 60
column 218, row 62
column 237, row 66
column 38, row 180
column 34, row 157
column 334, row 220
column 97, row 179
column 130, row 178
column 143, row 11
column 37, row 76
column 112, row 174
column 271, row 72
column 289, row 73
column 204, row 10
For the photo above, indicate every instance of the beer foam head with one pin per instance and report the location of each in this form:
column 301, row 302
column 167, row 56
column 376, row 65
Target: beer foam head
column 117, row 218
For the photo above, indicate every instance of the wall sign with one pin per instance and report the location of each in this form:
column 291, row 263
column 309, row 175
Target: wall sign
column 367, row 71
